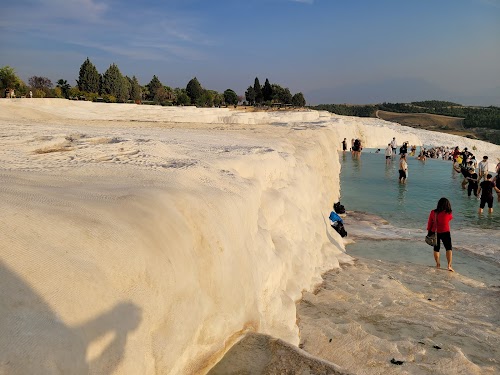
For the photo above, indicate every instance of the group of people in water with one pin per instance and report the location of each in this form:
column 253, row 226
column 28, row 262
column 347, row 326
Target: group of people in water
column 477, row 180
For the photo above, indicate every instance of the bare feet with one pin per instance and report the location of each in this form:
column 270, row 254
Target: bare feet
column 451, row 269
column 438, row 265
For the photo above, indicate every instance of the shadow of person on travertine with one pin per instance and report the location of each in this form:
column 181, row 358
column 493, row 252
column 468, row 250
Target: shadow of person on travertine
column 34, row 340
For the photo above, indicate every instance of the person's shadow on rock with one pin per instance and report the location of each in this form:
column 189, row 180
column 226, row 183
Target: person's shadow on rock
column 34, row 340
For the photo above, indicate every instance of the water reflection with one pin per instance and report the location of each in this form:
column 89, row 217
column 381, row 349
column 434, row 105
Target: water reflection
column 356, row 163
column 402, row 189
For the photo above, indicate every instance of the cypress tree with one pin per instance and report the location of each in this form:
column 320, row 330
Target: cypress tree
column 267, row 91
column 258, row 91
column 89, row 78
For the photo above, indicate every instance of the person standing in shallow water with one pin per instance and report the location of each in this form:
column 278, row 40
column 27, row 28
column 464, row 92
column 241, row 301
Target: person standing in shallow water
column 403, row 169
column 388, row 153
column 344, row 145
column 439, row 221
column 486, row 190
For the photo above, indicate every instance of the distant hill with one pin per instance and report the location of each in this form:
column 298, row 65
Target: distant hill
column 398, row 90
column 443, row 116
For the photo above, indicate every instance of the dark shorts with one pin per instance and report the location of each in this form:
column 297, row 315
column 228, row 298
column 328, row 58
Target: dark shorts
column 446, row 238
column 394, row 149
column 402, row 174
column 486, row 201
column 388, row 157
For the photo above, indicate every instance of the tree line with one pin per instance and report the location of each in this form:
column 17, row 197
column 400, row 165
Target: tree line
column 112, row 86
column 474, row 117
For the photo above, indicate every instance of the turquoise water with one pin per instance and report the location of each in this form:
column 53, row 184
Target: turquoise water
column 370, row 185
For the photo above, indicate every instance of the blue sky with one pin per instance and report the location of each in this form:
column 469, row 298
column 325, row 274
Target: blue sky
column 334, row 51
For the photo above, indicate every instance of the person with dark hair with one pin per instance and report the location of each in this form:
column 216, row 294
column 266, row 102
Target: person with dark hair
column 483, row 168
column 486, row 190
column 472, row 180
column 439, row 222
column 344, row 145
column 388, row 153
column 403, row 169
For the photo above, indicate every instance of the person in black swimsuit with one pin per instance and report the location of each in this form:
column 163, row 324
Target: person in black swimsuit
column 486, row 189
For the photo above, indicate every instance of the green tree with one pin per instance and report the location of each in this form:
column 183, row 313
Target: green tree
column 286, row 96
column 194, row 90
column 250, row 95
column 135, row 89
column 8, row 78
column 278, row 93
column 218, row 99
column 206, row 99
column 64, row 86
column 298, row 100
column 113, row 83
column 181, row 97
column 124, row 92
column 88, row 79
column 258, row 91
column 153, row 86
column 267, row 91
column 230, row 97
column 40, row 85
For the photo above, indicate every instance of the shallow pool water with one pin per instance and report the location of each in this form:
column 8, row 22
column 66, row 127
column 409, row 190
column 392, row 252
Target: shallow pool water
column 369, row 184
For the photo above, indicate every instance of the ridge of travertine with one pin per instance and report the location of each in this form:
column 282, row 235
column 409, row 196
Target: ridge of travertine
column 141, row 239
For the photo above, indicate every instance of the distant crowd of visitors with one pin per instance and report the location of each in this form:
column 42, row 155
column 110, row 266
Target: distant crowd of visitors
column 477, row 179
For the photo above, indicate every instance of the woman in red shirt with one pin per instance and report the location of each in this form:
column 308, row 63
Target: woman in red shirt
column 439, row 221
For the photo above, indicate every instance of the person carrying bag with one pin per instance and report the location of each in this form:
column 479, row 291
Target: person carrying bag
column 431, row 238
column 439, row 220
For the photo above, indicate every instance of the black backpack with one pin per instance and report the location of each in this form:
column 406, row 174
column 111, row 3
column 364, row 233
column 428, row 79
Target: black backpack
column 338, row 208
column 339, row 227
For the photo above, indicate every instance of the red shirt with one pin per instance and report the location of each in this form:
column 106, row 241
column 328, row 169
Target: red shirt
column 443, row 222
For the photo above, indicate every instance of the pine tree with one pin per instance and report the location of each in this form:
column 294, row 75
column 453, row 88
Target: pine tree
column 135, row 89
column 267, row 91
column 113, row 83
column 153, row 87
column 258, row 91
column 89, row 78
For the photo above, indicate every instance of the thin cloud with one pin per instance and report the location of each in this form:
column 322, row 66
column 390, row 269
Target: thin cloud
column 304, row 1
column 95, row 24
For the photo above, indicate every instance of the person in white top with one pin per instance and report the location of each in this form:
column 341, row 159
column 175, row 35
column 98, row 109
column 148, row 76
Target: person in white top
column 483, row 168
column 394, row 145
column 388, row 153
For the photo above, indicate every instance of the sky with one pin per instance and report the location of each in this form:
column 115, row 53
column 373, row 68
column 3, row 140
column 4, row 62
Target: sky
column 333, row 51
